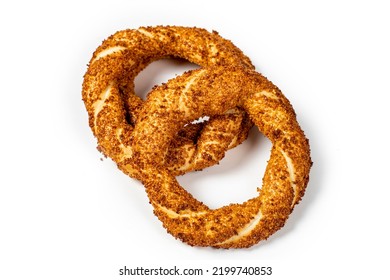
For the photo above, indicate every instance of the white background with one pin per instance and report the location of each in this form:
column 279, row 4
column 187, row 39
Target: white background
column 65, row 214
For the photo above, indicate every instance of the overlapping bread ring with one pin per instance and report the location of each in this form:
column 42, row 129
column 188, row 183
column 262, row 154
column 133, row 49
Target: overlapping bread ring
column 213, row 91
column 110, row 80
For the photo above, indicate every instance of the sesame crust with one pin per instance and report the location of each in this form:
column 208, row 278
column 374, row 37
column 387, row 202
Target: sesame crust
column 213, row 91
column 154, row 141
column 113, row 106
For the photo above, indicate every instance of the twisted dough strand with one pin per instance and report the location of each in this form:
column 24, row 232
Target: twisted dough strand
column 214, row 91
column 112, row 105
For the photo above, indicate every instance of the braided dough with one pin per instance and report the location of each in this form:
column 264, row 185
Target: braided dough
column 113, row 107
column 214, row 91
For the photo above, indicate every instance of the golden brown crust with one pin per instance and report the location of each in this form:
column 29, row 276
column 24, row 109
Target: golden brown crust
column 148, row 142
column 112, row 105
column 213, row 91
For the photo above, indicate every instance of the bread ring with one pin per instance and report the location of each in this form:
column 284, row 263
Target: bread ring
column 110, row 80
column 213, row 91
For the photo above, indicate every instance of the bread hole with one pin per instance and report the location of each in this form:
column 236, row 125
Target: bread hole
column 159, row 72
column 236, row 178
